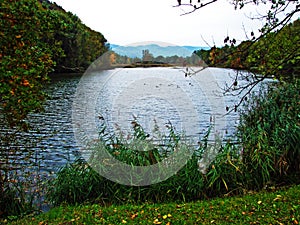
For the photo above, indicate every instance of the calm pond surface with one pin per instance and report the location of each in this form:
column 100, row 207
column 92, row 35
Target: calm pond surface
column 151, row 96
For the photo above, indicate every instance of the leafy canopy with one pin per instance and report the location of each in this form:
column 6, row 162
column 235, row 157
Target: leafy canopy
column 37, row 37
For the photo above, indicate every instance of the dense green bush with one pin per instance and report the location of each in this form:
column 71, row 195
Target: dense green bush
column 270, row 135
column 36, row 37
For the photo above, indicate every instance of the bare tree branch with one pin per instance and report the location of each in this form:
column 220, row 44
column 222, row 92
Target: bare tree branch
column 194, row 6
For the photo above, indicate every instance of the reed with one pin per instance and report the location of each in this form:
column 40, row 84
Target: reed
column 270, row 136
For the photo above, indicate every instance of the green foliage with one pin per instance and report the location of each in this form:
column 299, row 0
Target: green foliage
column 25, row 60
column 276, row 207
column 276, row 54
column 231, row 172
column 76, row 183
column 270, row 135
column 225, row 175
column 80, row 45
column 33, row 36
column 267, row 156
column 13, row 201
column 128, row 151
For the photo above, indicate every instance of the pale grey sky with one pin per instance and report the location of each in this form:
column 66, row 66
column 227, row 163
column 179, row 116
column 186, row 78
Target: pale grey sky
column 128, row 21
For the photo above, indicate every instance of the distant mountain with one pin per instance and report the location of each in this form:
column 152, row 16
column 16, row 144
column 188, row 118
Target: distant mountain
column 155, row 50
column 112, row 46
column 195, row 48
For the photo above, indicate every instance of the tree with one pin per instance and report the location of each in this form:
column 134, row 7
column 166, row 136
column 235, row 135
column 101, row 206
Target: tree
column 268, row 130
column 147, row 56
column 38, row 37
column 25, row 60
column 277, row 54
column 272, row 50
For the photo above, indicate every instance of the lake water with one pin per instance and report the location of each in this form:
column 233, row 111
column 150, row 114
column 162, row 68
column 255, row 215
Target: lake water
column 154, row 96
column 151, row 96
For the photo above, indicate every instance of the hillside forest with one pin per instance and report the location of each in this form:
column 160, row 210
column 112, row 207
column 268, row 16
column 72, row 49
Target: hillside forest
column 37, row 38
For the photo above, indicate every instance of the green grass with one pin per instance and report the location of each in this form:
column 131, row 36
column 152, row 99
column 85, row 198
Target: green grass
column 275, row 207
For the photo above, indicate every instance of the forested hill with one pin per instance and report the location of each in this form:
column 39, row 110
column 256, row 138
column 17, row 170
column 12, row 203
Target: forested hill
column 80, row 45
column 36, row 38
column 70, row 44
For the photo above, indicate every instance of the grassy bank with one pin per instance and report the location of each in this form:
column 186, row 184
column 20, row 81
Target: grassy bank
column 275, row 207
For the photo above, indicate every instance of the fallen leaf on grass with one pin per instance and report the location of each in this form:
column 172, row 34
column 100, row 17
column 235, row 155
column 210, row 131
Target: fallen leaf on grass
column 278, row 197
column 134, row 216
column 156, row 221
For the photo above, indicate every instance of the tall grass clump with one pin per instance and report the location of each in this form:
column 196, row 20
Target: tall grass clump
column 78, row 182
column 270, row 134
column 13, row 199
column 225, row 175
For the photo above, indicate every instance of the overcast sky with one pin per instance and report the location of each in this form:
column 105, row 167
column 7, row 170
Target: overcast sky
column 125, row 22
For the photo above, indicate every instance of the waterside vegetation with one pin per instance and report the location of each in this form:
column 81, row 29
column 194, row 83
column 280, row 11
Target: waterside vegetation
column 36, row 38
